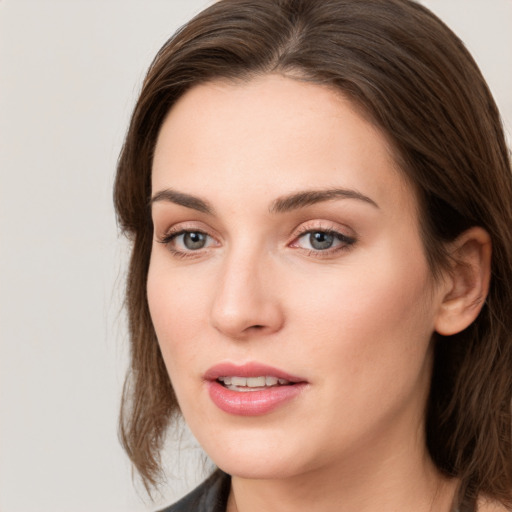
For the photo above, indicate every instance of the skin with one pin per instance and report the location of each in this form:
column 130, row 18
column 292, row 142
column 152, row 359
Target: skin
column 355, row 320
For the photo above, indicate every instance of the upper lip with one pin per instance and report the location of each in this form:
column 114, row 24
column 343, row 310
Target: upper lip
column 251, row 369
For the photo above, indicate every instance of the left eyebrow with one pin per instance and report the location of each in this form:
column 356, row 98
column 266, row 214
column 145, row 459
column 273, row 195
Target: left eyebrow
column 309, row 197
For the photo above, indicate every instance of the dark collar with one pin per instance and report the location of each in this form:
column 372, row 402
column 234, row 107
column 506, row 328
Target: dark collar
column 211, row 496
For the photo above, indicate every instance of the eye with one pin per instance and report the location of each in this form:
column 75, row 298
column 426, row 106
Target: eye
column 320, row 240
column 187, row 241
column 323, row 241
column 191, row 240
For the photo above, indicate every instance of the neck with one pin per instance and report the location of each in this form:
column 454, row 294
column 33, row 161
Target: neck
column 433, row 494
column 379, row 478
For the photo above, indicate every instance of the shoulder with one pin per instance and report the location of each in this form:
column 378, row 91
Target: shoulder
column 211, row 496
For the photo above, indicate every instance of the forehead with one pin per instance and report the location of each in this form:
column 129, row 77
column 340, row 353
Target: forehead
column 272, row 134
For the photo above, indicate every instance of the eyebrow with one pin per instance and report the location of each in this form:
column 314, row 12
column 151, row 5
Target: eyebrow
column 182, row 199
column 309, row 197
column 282, row 204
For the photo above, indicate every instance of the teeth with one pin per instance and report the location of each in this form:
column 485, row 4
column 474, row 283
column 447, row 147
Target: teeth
column 255, row 382
column 240, row 389
column 239, row 383
column 271, row 381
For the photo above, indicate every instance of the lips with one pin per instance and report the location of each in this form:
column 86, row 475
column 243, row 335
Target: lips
column 251, row 389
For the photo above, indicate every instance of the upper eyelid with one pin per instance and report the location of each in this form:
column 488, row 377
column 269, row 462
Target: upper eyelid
column 323, row 225
column 186, row 226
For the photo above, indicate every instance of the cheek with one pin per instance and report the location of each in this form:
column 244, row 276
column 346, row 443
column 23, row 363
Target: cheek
column 177, row 305
column 375, row 316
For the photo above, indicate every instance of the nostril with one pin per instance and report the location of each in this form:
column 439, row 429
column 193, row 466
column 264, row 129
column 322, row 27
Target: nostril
column 235, row 317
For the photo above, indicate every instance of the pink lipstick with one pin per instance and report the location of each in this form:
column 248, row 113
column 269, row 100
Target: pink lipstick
column 251, row 389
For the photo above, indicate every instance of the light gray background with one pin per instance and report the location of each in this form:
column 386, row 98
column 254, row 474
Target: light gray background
column 70, row 71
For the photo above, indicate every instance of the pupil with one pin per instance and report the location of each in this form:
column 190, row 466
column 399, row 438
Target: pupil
column 320, row 240
column 194, row 240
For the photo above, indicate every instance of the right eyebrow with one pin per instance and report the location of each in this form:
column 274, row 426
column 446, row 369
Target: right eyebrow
column 182, row 199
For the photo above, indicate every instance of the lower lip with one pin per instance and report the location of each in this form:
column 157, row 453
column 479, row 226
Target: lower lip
column 252, row 403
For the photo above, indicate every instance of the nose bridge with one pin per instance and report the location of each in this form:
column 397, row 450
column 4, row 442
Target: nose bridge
column 246, row 300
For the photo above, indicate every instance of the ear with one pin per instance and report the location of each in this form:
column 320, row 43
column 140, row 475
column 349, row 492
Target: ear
column 467, row 282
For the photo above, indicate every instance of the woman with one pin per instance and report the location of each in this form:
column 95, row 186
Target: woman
column 318, row 194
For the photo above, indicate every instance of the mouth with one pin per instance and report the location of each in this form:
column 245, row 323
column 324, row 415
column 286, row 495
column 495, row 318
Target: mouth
column 251, row 389
column 251, row 384
column 250, row 376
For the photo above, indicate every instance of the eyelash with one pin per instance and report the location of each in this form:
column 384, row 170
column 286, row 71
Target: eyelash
column 171, row 235
column 346, row 242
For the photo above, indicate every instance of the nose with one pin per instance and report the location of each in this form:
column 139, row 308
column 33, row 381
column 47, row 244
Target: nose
column 247, row 301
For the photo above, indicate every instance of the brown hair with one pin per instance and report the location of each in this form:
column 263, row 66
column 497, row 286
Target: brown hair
column 416, row 81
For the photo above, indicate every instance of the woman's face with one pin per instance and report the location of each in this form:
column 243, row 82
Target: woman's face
column 287, row 246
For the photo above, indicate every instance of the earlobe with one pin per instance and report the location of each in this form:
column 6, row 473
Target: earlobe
column 467, row 281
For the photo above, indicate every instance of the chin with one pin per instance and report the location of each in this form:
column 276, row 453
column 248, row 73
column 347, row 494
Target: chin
column 253, row 458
